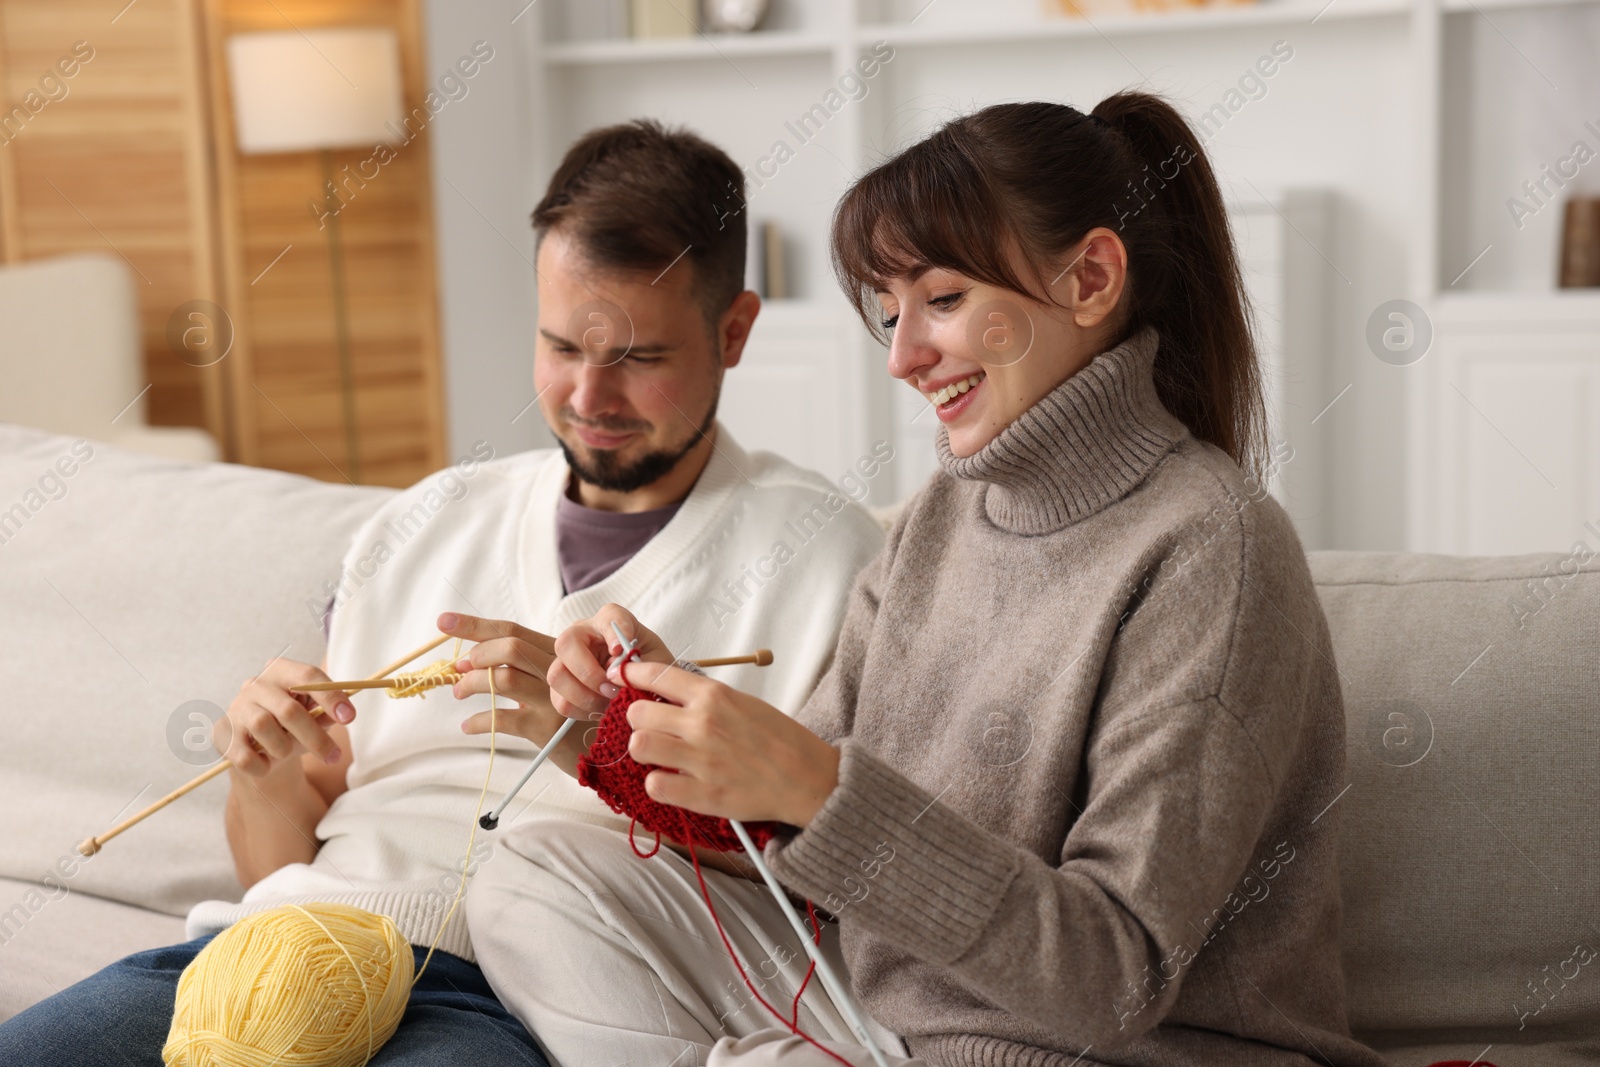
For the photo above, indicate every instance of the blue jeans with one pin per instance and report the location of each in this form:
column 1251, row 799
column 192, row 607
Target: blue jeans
column 119, row 1017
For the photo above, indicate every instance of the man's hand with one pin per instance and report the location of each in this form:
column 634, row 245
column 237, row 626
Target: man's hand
column 287, row 766
column 267, row 725
column 579, row 686
column 519, row 658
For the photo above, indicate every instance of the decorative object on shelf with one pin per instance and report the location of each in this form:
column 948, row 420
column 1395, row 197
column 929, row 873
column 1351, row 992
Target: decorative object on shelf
column 318, row 90
column 662, row 18
column 1080, row 8
column 733, row 16
column 1580, row 243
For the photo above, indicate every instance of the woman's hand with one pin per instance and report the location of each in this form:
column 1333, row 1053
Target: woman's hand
column 736, row 756
column 579, row 688
column 519, row 659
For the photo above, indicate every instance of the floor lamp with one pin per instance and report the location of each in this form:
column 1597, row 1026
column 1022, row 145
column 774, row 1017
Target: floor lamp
column 316, row 91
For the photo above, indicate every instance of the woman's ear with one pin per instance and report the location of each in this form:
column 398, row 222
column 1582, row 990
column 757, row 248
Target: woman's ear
column 1097, row 271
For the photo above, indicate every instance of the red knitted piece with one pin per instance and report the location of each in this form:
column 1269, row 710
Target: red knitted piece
column 608, row 769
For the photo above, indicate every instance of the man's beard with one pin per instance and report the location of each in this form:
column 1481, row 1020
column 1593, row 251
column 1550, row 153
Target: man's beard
column 605, row 471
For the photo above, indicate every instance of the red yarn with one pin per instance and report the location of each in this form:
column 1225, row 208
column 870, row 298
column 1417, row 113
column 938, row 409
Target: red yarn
column 608, row 769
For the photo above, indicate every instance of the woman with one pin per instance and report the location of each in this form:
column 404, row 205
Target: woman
column 1066, row 783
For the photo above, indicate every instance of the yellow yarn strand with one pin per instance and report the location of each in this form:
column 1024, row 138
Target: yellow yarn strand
column 472, row 834
column 318, row 985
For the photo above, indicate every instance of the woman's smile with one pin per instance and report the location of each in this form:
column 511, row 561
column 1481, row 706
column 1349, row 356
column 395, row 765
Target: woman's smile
column 950, row 400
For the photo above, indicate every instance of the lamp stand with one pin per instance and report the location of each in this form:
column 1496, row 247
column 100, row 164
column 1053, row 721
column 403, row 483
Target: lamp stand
column 341, row 317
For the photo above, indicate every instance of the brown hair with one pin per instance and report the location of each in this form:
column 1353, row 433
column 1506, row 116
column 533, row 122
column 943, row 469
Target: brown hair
column 638, row 197
column 1037, row 177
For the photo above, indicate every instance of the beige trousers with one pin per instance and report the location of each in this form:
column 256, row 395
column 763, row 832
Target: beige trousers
column 611, row 960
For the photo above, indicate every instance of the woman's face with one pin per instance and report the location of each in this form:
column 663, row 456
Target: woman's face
column 982, row 355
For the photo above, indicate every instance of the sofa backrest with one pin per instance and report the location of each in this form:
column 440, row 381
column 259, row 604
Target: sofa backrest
column 136, row 595
column 1471, row 829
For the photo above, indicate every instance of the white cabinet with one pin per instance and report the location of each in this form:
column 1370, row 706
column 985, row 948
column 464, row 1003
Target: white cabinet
column 790, row 395
column 1513, row 384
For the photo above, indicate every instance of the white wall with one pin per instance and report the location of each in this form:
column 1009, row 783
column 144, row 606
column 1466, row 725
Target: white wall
column 484, row 191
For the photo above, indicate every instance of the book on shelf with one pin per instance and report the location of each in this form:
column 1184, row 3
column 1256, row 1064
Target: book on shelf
column 754, row 259
column 650, row 19
column 1580, row 243
column 765, row 264
column 774, row 264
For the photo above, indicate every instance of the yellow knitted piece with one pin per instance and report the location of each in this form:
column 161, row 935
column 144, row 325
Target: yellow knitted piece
column 413, row 683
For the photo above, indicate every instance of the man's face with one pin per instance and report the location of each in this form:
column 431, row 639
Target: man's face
column 626, row 369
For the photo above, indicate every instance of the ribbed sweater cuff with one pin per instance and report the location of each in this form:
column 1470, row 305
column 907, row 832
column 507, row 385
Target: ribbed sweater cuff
column 884, row 852
column 416, row 914
column 981, row 1050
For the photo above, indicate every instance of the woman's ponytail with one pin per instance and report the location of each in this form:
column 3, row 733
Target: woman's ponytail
column 1207, row 370
column 1039, row 176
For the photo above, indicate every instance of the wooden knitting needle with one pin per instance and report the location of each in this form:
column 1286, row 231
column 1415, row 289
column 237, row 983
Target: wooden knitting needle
column 90, row 845
column 761, row 657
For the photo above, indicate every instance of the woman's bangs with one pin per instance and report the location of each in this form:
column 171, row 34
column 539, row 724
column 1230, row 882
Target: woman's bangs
column 907, row 216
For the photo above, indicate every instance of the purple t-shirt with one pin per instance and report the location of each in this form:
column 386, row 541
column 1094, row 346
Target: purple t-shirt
column 591, row 545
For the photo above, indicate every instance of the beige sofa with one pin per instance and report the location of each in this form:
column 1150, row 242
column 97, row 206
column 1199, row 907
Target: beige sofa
column 1471, row 825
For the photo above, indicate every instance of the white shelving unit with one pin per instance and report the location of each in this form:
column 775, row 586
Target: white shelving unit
column 1503, row 452
column 709, row 46
column 1386, row 106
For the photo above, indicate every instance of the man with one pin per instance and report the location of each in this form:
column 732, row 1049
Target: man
column 647, row 502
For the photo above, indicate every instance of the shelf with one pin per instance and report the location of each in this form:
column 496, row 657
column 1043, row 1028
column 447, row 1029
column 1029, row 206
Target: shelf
column 703, row 46
column 792, row 43
column 1479, row 6
column 1268, row 13
column 1534, row 311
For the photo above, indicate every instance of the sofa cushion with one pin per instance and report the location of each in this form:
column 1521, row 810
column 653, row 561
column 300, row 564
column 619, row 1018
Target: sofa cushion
column 1470, row 832
column 139, row 594
column 51, row 937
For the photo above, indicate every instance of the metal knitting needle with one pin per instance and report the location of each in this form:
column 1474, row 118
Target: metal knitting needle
column 491, row 818
column 836, row 988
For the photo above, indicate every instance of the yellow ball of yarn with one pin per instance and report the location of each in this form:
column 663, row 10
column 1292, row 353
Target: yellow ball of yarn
column 318, row 985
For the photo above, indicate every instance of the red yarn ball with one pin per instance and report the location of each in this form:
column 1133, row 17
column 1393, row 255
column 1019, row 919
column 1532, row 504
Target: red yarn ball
column 608, row 769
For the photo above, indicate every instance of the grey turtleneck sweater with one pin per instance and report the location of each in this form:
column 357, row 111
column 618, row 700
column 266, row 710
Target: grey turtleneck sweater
column 1090, row 728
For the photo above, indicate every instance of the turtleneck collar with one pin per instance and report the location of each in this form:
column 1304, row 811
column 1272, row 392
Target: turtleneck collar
column 1082, row 447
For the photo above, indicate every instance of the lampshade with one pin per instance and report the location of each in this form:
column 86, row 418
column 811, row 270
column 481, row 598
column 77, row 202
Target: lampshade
column 323, row 88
